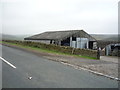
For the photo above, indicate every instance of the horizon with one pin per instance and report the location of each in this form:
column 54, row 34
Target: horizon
column 43, row 32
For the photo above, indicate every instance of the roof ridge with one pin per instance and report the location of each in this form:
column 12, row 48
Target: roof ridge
column 64, row 31
column 60, row 35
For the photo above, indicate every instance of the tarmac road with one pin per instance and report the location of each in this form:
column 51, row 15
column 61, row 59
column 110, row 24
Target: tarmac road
column 37, row 72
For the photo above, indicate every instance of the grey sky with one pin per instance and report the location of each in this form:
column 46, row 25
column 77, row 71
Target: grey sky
column 36, row 16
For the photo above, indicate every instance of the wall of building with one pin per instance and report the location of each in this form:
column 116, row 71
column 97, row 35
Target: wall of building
column 108, row 50
column 94, row 45
column 82, row 42
column 41, row 41
column 79, row 42
column 75, row 42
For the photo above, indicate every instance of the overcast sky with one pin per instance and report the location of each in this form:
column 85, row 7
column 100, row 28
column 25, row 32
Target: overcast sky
column 36, row 16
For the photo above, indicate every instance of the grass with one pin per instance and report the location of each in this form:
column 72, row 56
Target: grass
column 46, row 50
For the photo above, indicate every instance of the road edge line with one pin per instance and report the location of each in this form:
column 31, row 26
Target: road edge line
column 81, row 68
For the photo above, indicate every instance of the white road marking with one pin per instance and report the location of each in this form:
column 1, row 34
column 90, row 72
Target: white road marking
column 7, row 62
column 80, row 68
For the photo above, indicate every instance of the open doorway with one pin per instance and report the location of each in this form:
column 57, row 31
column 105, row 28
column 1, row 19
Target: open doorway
column 65, row 42
column 90, row 44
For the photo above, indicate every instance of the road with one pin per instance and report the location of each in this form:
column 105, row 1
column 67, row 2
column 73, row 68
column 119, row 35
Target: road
column 33, row 71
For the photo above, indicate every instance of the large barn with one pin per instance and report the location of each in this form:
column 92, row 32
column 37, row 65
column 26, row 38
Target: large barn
column 72, row 38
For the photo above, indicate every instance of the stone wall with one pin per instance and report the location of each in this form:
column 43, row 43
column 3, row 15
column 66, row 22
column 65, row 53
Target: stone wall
column 63, row 49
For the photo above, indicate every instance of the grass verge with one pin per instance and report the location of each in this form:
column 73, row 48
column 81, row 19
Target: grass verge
column 45, row 50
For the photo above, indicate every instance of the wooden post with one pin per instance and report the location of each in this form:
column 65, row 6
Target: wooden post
column 98, row 53
column 73, row 50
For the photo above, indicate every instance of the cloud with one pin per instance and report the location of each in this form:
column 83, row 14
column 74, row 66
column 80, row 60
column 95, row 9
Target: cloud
column 31, row 16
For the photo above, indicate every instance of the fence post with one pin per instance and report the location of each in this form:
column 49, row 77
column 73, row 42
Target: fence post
column 98, row 53
column 73, row 51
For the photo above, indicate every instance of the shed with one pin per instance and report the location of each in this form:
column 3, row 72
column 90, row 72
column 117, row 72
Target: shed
column 112, row 49
column 72, row 38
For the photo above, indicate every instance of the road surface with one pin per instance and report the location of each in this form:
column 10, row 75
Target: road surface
column 37, row 72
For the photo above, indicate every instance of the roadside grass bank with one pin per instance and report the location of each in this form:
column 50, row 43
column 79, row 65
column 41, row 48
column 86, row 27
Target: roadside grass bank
column 46, row 48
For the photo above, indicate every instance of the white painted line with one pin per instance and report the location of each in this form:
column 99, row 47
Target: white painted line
column 7, row 62
column 81, row 68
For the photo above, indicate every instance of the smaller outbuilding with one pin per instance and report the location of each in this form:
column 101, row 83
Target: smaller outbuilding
column 112, row 49
column 72, row 38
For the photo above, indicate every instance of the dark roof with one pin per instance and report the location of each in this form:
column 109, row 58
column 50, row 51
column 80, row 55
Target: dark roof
column 103, row 44
column 60, row 35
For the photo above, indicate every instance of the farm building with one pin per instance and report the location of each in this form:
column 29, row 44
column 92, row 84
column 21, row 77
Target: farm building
column 72, row 38
column 109, row 48
column 112, row 49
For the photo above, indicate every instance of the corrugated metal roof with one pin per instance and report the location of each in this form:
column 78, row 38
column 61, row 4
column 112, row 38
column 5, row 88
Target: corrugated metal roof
column 60, row 35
